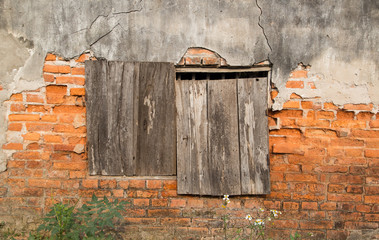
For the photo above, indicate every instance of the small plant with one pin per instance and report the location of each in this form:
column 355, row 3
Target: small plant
column 255, row 226
column 8, row 233
column 94, row 220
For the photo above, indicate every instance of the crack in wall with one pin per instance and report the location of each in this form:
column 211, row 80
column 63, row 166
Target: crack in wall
column 263, row 30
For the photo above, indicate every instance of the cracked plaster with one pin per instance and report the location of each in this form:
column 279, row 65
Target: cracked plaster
column 337, row 38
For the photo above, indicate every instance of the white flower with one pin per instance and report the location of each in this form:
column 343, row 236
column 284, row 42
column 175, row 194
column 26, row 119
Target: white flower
column 269, row 219
column 227, row 201
column 259, row 222
column 249, row 217
column 226, row 198
column 261, row 209
column 275, row 212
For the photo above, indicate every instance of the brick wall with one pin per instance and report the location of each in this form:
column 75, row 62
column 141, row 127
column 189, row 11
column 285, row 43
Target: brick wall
column 324, row 166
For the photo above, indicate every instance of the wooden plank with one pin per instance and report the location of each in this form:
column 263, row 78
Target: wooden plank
column 183, row 120
column 156, row 145
column 199, row 136
column 192, row 135
column 95, row 72
column 223, row 164
column 253, row 131
column 222, row 70
column 261, row 155
column 128, row 133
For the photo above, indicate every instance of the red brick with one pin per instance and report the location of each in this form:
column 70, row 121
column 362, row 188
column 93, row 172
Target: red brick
column 286, row 132
column 306, row 104
column 90, row 183
column 274, row 93
column 141, row 202
column 137, row 183
column 37, row 127
column 351, row 161
column 34, row 98
column 371, row 153
column 33, row 146
column 17, row 97
column 169, row 185
column 178, row 203
column 154, row 184
column 69, row 109
column 169, row 193
column 197, row 203
column 118, row 193
column 70, row 165
column 163, row 212
column 291, row 104
column 31, row 136
column 295, row 84
column 295, row 96
column 26, row 155
column 77, row 174
column 363, row 208
column 78, row 71
column 372, row 217
column 332, row 169
column 48, row 78
column 13, row 146
column 354, row 189
column 68, row 129
column 17, row 107
column 290, row 205
column 14, row 127
column 328, row 206
column 372, row 190
column 50, row 57
column 53, row 138
column 325, row 115
column 313, row 123
column 108, row 184
column 317, row 225
column 365, row 133
column 77, row 91
column 146, row 193
column 139, row 221
column 176, row 221
column 374, row 123
column 311, row 85
column 346, row 179
column 345, row 197
column 83, row 57
column 299, row 74
column 320, row 133
column 159, row 203
column 37, row 108
column 363, row 107
column 361, row 225
column 366, row 116
column 342, row 115
column 288, row 114
column 346, row 142
column 56, row 69
column 24, row 117
column 70, row 80
column 348, row 124
column 309, row 205
column 300, row 177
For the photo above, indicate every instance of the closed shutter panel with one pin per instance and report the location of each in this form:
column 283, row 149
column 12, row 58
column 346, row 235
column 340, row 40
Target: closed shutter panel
column 222, row 136
column 130, row 118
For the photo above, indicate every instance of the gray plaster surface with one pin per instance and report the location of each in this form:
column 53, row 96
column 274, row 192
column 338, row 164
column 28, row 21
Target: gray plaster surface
column 339, row 39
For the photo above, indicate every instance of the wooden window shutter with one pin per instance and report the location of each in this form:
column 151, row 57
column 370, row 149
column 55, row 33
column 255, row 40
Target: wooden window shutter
column 222, row 136
column 131, row 118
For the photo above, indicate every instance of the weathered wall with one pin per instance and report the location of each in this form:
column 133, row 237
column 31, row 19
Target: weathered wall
column 324, row 167
column 337, row 38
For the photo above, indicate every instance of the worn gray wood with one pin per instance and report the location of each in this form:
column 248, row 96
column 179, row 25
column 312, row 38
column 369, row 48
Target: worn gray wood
column 253, row 129
column 156, row 145
column 192, row 139
column 261, row 155
column 223, row 159
column 107, row 117
column 131, row 118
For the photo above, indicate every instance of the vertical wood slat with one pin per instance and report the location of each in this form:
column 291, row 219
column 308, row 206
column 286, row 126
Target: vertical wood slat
column 223, row 158
column 156, row 150
column 108, row 111
column 253, row 129
column 192, row 130
column 117, row 143
column 261, row 158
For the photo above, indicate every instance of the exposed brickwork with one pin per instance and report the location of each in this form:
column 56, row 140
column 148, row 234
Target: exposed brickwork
column 324, row 167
